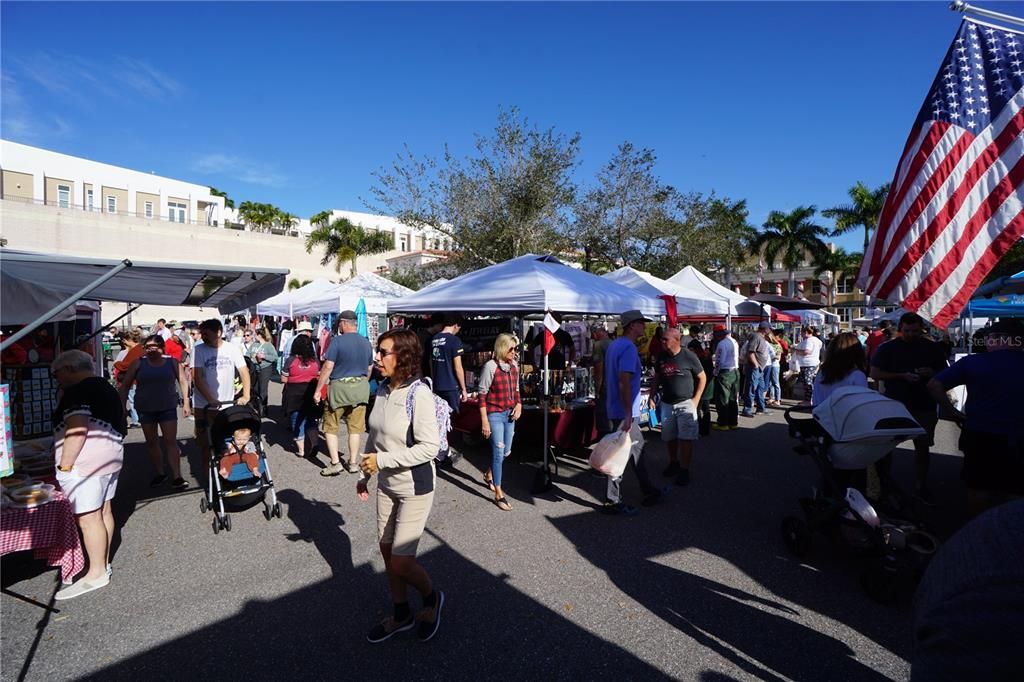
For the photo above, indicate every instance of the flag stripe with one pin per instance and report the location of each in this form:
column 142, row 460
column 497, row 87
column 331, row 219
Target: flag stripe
column 949, row 255
column 999, row 246
column 957, row 188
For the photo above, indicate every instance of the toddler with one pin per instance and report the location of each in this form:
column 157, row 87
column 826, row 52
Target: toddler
column 240, row 449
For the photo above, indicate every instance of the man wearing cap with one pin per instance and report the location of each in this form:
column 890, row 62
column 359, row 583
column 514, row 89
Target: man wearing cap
column 599, row 334
column 622, row 372
column 758, row 360
column 727, row 378
column 347, row 367
column 446, row 351
column 992, row 438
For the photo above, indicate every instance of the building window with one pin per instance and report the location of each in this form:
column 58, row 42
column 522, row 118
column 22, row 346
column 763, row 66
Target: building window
column 815, row 286
column 88, row 200
column 148, row 209
column 845, row 285
column 403, row 243
column 111, row 204
column 844, row 315
column 176, row 212
column 63, row 196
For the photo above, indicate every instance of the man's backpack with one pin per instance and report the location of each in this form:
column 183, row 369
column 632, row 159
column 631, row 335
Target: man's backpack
column 442, row 412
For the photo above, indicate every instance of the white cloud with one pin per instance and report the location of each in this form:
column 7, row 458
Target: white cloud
column 79, row 80
column 239, row 168
column 19, row 123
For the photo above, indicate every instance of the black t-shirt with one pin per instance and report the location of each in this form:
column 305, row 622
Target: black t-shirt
column 677, row 375
column 903, row 356
column 101, row 400
column 444, row 348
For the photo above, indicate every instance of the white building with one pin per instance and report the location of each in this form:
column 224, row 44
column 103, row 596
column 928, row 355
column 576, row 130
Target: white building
column 56, row 203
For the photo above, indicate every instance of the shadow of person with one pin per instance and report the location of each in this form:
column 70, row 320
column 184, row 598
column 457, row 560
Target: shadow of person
column 320, row 523
column 741, row 627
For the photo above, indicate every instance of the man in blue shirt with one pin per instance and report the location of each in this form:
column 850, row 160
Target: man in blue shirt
column 346, row 373
column 992, row 435
column 622, row 372
column 446, row 371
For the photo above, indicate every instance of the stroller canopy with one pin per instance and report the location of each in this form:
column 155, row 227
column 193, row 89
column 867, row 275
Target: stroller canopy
column 854, row 413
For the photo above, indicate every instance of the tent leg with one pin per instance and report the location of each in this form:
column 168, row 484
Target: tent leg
column 70, row 300
column 131, row 309
column 544, row 382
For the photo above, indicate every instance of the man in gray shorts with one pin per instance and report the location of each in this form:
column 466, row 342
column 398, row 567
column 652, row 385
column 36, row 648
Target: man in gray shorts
column 681, row 380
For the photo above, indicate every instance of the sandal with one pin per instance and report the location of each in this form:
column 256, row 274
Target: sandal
column 502, row 504
column 490, row 483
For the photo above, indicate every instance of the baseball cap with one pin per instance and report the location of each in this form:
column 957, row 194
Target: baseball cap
column 630, row 316
column 765, row 325
column 598, row 327
column 719, row 328
column 304, row 326
column 348, row 315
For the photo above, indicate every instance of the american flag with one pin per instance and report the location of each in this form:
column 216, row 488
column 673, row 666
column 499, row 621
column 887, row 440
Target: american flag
column 955, row 206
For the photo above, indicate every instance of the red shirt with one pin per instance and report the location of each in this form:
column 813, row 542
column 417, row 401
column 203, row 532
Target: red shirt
column 875, row 339
column 297, row 374
column 173, row 348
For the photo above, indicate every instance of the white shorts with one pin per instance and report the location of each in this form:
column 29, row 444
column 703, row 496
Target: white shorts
column 679, row 421
column 87, row 493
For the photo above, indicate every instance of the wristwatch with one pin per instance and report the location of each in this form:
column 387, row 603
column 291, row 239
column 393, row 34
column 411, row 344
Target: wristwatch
column 60, row 468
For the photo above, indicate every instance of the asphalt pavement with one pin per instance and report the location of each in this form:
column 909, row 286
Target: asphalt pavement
column 700, row 586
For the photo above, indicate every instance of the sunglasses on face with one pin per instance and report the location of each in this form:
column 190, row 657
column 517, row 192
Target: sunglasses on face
column 151, row 347
column 385, row 353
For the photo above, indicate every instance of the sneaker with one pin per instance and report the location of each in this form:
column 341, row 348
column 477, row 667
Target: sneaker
column 683, row 478
column 653, row 498
column 81, row 587
column 388, row 627
column 765, row 413
column 179, row 484
column 671, row 470
column 332, row 469
column 747, row 413
column 617, row 508
column 734, row 427
column 352, row 467
column 110, row 570
column 427, row 628
column 158, row 480
column 720, row 427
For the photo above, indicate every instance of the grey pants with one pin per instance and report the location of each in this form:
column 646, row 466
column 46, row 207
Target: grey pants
column 636, row 463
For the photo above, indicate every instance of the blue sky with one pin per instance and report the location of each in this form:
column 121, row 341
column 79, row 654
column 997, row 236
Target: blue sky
column 296, row 104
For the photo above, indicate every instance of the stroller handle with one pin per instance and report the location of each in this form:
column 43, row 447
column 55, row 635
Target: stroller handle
column 787, row 414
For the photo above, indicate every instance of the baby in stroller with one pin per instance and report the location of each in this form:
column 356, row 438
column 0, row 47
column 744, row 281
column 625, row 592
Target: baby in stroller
column 240, row 449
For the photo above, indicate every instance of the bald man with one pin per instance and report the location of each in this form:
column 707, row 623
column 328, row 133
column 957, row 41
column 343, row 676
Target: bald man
column 680, row 379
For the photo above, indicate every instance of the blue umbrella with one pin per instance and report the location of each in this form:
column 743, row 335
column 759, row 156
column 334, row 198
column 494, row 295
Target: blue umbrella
column 361, row 325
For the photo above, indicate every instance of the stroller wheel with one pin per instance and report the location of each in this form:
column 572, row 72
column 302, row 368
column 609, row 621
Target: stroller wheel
column 216, row 525
column 202, row 505
column 277, row 509
column 268, row 513
column 796, row 535
column 227, row 522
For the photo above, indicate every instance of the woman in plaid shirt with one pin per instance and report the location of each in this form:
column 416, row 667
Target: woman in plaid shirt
column 500, row 407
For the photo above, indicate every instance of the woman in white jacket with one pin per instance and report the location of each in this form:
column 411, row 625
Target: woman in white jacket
column 402, row 444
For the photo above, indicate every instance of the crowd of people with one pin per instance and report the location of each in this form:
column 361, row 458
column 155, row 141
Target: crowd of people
column 327, row 385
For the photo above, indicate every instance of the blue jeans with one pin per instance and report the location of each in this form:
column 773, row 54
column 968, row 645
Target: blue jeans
column 502, row 431
column 755, row 390
column 133, row 415
column 772, row 381
column 300, row 422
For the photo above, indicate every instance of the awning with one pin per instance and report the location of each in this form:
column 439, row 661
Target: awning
column 36, row 286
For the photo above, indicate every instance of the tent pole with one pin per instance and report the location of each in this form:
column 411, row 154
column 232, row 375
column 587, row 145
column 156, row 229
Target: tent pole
column 964, row 8
column 544, row 381
column 70, row 300
column 131, row 309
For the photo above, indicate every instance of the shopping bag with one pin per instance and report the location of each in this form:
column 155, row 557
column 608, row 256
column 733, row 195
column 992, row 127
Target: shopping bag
column 611, row 453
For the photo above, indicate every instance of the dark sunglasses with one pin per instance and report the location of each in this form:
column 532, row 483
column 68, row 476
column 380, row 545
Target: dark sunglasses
column 385, row 353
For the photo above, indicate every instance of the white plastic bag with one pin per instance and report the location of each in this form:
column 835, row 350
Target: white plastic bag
column 611, row 453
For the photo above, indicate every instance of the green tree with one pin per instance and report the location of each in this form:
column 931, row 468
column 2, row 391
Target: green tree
column 320, row 219
column 793, row 235
column 343, row 240
column 837, row 263
column 228, row 201
column 259, row 217
column 286, row 221
column 512, row 196
column 863, row 211
column 295, row 283
column 623, row 220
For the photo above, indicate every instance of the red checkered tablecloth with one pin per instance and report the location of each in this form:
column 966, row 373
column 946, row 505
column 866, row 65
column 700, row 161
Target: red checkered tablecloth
column 50, row 530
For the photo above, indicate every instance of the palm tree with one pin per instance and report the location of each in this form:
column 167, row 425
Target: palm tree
column 294, row 283
column 863, row 212
column 259, row 217
column 793, row 235
column 343, row 240
column 837, row 263
column 286, row 221
column 320, row 219
column 228, row 201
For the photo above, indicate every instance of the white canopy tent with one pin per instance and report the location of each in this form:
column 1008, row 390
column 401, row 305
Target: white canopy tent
column 697, row 283
column 375, row 291
column 281, row 305
column 687, row 302
column 35, row 287
column 529, row 284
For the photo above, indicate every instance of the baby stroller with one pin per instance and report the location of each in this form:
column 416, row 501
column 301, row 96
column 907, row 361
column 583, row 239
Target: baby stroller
column 241, row 488
column 851, row 430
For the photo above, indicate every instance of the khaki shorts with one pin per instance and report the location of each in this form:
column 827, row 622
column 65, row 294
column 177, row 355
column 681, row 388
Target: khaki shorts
column 401, row 520
column 353, row 416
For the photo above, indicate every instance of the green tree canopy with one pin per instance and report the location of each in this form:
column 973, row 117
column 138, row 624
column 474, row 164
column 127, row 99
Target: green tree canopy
column 864, row 209
column 512, row 196
column 795, row 237
column 228, row 201
column 342, row 240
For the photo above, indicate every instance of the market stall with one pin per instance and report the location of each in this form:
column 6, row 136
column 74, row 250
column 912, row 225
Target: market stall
column 741, row 309
column 688, row 302
column 533, row 284
column 281, row 304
